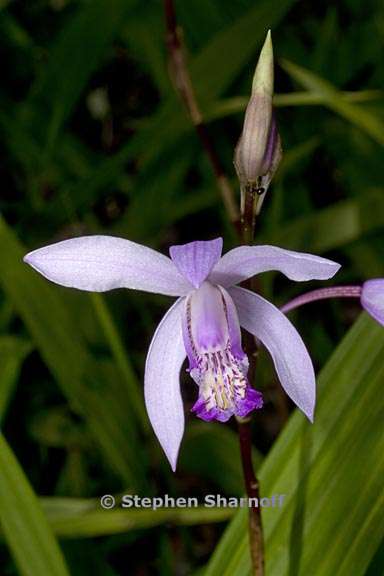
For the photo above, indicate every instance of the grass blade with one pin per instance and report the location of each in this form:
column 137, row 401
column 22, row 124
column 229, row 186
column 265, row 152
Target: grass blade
column 361, row 118
column 211, row 447
column 85, row 518
column 88, row 390
column 75, row 55
column 332, row 227
column 12, row 354
column 23, row 522
column 121, row 357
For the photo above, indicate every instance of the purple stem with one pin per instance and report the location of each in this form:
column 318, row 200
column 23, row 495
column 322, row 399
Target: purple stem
column 322, row 294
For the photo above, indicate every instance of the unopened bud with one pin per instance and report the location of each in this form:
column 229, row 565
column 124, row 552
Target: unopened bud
column 258, row 152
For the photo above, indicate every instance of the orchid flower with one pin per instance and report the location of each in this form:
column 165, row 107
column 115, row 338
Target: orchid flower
column 203, row 324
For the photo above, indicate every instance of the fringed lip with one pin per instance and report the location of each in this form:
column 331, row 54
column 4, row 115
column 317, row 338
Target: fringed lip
column 217, row 363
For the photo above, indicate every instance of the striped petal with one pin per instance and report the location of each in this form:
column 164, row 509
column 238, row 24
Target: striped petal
column 163, row 400
column 246, row 261
column 289, row 354
column 101, row 263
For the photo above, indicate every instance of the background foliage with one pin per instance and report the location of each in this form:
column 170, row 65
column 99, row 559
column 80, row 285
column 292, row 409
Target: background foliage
column 93, row 139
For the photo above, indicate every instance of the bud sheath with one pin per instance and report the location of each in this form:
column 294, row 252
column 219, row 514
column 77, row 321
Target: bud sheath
column 258, row 152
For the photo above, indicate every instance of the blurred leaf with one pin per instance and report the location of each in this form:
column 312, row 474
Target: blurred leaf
column 238, row 42
column 366, row 121
column 229, row 106
column 23, row 522
column 145, row 38
column 208, row 448
column 14, row 32
column 332, row 227
column 121, row 358
column 12, row 354
column 77, row 52
column 88, row 389
column 71, row 518
column 55, row 427
column 367, row 259
column 330, row 473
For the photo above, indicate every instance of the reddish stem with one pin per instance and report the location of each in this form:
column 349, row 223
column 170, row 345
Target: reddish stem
column 183, row 84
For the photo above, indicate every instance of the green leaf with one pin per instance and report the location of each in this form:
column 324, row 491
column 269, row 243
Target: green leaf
column 332, row 98
column 229, row 106
column 332, row 227
column 330, row 473
column 239, row 43
column 75, row 55
column 208, row 448
column 92, row 392
column 71, row 518
column 12, row 354
column 23, row 522
column 121, row 357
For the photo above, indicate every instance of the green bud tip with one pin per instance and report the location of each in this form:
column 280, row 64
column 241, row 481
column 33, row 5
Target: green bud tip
column 263, row 77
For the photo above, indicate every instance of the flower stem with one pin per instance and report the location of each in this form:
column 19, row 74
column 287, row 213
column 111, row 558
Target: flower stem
column 255, row 527
column 322, row 294
column 248, row 218
column 253, row 491
column 183, row 85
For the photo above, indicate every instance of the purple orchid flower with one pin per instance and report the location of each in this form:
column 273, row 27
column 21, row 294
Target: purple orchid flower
column 203, row 324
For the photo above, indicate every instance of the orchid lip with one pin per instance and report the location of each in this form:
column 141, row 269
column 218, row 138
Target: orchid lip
column 217, row 363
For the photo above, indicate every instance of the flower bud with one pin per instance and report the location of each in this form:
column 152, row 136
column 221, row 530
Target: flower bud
column 258, row 152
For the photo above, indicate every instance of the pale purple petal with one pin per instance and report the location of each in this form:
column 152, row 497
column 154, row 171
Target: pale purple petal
column 372, row 299
column 246, row 261
column 100, row 263
column 162, row 382
column 290, row 356
column 196, row 259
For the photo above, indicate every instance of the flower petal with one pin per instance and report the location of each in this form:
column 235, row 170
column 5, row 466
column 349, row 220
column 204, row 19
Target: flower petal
column 246, row 261
column 290, row 356
column 162, row 382
column 196, row 259
column 372, row 299
column 100, row 263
